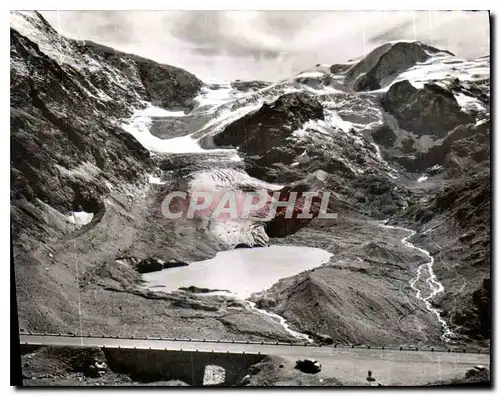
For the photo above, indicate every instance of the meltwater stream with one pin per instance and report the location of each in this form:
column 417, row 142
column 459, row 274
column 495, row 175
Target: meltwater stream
column 432, row 282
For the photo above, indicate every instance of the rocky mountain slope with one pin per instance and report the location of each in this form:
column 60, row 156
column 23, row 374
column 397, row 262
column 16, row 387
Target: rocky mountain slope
column 99, row 137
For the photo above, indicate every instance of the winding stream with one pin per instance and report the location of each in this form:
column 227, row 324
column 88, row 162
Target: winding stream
column 431, row 280
column 282, row 322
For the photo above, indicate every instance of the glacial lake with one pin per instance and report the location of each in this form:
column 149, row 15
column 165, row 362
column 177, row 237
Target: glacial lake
column 240, row 271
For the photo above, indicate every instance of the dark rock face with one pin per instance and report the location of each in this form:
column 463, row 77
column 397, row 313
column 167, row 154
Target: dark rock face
column 280, row 225
column 384, row 136
column 149, row 265
column 431, row 110
column 243, row 246
column 173, row 263
column 153, row 264
column 477, row 321
column 195, row 289
column 166, row 86
column 465, row 146
column 263, row 132
column 460, row 215
column 385, row 63
column 479, row 89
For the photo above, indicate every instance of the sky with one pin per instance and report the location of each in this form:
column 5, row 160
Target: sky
column 269, row 45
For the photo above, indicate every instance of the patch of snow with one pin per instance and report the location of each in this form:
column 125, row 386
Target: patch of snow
column 155, row 180
column 108, row 184
column 334, row 119
column 139, row 126
column 468, row 103
column 310, row 74
column 80, row 218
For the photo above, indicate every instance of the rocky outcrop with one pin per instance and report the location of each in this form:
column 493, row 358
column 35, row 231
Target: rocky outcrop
column 460, row 215
column 464, row 148
column 153, row 264
column 261, row 134
column 431, row 110
column 166, row 86
column 67, row 102
column 281, row 224
column 476, row 321
column 384, row 136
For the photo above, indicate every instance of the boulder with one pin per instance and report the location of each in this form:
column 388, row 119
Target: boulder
column 152, row 264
